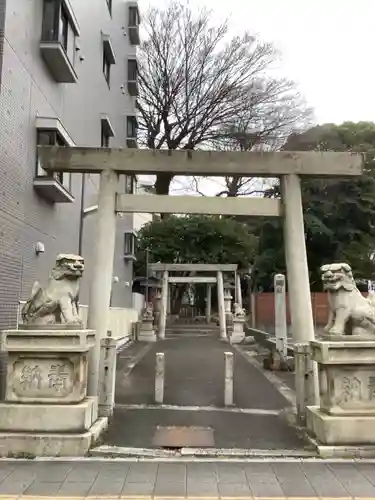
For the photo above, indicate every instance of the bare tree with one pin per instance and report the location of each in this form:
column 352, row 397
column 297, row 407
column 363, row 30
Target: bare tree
column 196, row 82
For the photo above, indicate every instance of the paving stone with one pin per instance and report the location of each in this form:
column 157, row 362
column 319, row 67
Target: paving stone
column 203, row 489
column 22, row 473
column 39, row 488
column 5, row 471
column 138, row 489
column 52, row 473
column 234, row 490
column 355, row 483
column 106, row 487
column 142, row 473
column 323, row 480
column 292, row 480
column 170, row 489
column 229, row 473
column 85, row 474
column 75, row 489
column 262, row 480
column 368, row 470
column 114, row 470
column 262, row 487
column 169, row 473
column 17, row 487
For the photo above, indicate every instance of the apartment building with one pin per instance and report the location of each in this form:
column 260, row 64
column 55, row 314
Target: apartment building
column 68, row 77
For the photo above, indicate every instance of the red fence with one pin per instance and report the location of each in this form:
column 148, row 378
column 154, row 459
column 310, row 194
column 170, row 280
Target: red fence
column 265, row 308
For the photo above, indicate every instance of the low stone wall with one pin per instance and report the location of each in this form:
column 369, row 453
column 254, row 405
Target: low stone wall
column 121, row 322
column 265, row 339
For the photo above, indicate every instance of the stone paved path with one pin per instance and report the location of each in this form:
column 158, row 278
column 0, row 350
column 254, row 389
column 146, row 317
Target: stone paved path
column 199, row 480
column 195, row 377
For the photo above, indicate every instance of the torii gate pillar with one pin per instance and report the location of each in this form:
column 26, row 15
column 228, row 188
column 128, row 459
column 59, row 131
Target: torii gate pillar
column 101, row 283
column 297, row 269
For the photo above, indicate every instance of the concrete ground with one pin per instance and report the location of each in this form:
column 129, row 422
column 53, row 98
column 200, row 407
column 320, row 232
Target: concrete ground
column 200, row 480
column 194, row 385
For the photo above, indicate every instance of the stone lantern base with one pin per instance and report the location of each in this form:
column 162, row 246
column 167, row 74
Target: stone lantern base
column 346, row 413
column 237, row 333
column 147, row 332
column 46, row 411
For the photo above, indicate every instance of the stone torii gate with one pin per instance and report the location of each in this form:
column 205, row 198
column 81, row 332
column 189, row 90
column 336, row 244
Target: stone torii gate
column 289, row 166
column 219, row 269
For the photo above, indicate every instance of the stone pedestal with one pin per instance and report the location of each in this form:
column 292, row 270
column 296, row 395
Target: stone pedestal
column 46, row 411
column 147, row 332
column 346, row 413
column 228, row 310
column 237, row 334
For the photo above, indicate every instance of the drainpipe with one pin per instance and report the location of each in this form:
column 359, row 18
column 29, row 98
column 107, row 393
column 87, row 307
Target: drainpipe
column 81, row 215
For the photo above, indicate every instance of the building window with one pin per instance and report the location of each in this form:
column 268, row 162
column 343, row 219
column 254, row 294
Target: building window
column 105, row 136
column 109, row 3
column 129, row 244
column 47, row 137
column 59, row 24
column 131, row 127
column 50, row 25
column 132, row 70
column 133, row 24
column 133, row 16
column 108, row 57
column 129, row 184
column 63, row 28
column 106, row 69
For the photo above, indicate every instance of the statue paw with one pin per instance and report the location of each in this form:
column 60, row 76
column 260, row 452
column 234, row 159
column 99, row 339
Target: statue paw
column 335, row 331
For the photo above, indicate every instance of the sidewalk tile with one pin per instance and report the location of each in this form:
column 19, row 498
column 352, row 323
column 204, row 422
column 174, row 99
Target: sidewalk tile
column 107, row 487
column 142, row 473
column 170, row 489
column 42, row 489
column 323, row 480
column 17, row 487
column 234, row 490
column 229, row 473
column 355, row 483
column 75, row 489
column 138, row 489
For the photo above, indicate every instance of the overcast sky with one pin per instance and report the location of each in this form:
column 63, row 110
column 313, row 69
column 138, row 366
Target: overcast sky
column 327, row 46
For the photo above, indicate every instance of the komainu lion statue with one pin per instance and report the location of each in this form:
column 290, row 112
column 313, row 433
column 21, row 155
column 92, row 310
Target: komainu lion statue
column 350, row 312
column 239, row 312
column 57, row 303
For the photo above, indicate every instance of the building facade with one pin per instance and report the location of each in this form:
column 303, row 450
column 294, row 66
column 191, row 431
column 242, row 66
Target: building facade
column 68, row 77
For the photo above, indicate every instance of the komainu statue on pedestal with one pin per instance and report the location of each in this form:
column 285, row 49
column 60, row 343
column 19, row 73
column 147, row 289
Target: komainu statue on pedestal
column 57, row 302
column 350, row 312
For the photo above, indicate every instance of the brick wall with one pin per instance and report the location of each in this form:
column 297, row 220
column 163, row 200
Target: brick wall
column 265, row 309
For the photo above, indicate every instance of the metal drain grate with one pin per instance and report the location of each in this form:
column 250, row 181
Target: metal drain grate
column 184, row 437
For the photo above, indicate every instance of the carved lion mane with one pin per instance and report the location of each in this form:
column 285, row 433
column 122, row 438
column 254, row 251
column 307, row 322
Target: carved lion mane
column 57, row 303
column 350, row 312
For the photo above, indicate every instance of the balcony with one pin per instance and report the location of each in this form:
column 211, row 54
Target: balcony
column 58, row 62
column 58, row 40
column 133, row 23
column 55, row 188
column 133, row 77
column 52, row 189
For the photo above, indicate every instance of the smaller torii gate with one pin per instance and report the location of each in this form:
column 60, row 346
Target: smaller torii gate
column 219, row 269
